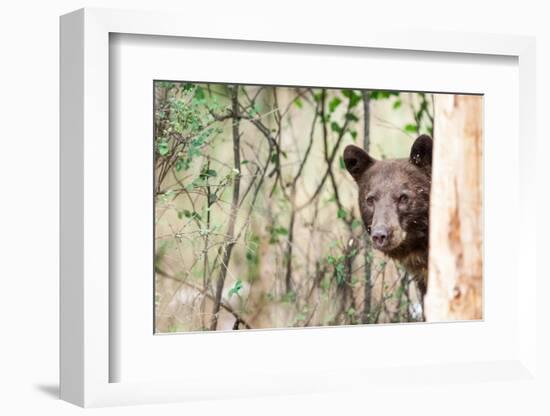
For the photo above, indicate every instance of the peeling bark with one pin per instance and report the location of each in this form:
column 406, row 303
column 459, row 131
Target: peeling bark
column 456, row 229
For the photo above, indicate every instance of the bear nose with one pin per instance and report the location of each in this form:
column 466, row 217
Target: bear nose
column 380, row 236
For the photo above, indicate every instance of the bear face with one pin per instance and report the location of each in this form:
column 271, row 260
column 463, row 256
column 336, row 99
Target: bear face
column 394, row 202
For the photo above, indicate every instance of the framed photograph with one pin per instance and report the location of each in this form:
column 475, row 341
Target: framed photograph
column 257, row 224
column 291, row 214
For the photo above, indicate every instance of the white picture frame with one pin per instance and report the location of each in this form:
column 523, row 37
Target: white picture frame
column 86, row 356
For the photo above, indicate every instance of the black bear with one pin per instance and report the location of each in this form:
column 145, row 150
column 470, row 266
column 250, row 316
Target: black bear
column 394, row 202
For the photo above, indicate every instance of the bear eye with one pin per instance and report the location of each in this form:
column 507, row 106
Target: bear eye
column 403, row 199
column 370, row 201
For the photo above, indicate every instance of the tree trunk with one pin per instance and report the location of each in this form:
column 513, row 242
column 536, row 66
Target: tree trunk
column 230, row 234
column 368, row 250
column 456, row 255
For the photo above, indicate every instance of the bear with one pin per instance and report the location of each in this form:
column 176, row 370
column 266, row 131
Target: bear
column 394, row 203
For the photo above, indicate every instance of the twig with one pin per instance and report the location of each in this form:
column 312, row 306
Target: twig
column 223, row 305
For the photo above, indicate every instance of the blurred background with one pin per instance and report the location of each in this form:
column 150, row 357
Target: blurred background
column 257, row 223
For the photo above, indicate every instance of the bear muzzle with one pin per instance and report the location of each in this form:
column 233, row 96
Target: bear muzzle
column 381, row 236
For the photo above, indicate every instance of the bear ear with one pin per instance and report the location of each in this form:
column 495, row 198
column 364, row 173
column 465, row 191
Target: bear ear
column 357, row 161
column 421, row 152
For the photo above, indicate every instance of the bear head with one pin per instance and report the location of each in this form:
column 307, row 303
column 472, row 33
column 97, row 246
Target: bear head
column 394, row 201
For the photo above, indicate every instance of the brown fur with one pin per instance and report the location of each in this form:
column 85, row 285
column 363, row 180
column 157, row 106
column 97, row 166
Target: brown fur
column 394, row 195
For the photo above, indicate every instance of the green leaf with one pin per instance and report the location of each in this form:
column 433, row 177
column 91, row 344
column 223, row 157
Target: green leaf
column 236, row 288
column 208, row 173
column 254, row 110
column 353, row 134
column 212, row 199
column 334, row 103
column 198, row 182
column 397, row 104
column 353, row 97
column 331, row 260
column 354, row 101
column 298, row 102
column 181, row 164
column 411, row 128
column 163, row 148
column 341, row 162
column 275, row 232
column 188, row 86
column 341, row 213
column 188, row 214
column 380, row 94
column 340, row 275
column 348, row 93
column 399, row 292
column 351, row 117
column 281, row 231
column 325, row 118
column 185, row 213
column 199, row 94
column 335, row 127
